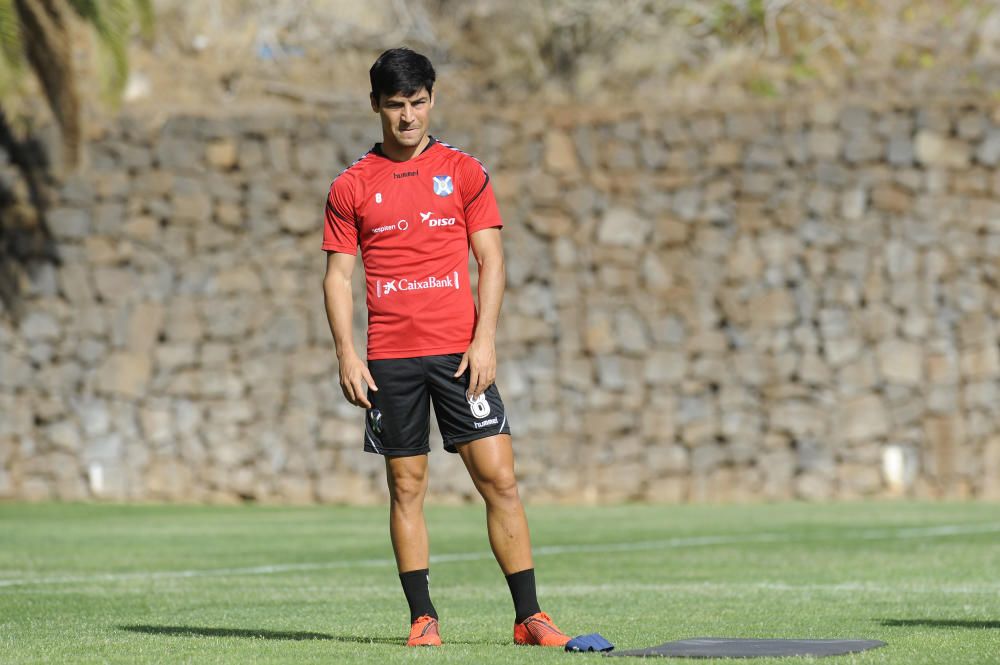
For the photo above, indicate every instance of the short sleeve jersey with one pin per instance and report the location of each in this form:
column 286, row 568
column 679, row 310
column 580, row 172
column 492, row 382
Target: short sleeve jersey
column 413, row 221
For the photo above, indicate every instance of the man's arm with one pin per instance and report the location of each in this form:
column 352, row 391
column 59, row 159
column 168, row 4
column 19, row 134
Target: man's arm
column 481, row 357
column 354, row 374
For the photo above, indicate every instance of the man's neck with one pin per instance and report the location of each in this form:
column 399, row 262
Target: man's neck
column 399, row 153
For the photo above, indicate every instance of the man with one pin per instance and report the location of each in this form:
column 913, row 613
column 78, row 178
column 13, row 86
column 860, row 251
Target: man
column 415, row 205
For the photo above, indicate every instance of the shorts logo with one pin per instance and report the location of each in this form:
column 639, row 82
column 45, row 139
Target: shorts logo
column 485, row 423
column 384, row 288
column 425, row 217
column 480, row 407
column 443, row 185
column 375, row 421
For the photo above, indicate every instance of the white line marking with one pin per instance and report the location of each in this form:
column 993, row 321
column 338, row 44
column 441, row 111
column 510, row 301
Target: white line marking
column 371, row 441
column 905, row 533
column 721, row 587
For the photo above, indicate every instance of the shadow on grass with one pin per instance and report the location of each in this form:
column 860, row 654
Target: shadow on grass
column 943, row 623
column 200, row 631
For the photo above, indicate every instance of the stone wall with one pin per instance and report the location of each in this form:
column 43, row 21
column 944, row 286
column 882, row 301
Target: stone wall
column 703, row 304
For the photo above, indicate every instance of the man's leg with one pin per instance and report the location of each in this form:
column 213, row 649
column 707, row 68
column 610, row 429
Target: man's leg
column 407, row 480
column 490, row 462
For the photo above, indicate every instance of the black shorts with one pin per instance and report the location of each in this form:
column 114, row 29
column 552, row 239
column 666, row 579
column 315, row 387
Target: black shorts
column 399, row 422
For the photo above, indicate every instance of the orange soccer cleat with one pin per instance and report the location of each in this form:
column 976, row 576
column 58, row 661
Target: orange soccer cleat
column 424, row 632
column 539, row 630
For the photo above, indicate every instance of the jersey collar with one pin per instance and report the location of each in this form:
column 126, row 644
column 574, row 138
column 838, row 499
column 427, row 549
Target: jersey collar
column 377, row 149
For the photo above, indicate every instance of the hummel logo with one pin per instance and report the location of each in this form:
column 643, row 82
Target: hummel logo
column 424, row 216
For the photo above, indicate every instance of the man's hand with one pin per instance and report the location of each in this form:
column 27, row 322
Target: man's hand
column 354, row 376
column 481, row 359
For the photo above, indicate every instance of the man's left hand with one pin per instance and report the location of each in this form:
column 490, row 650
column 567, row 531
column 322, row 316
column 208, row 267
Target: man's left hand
column 481, row 359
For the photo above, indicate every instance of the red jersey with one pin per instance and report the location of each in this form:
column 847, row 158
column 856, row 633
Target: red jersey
column 413, row 220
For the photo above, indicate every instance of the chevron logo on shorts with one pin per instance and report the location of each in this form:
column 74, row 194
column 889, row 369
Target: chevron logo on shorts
column 375, row 420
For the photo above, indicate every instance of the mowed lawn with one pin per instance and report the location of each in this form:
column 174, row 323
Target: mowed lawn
column 193, row 584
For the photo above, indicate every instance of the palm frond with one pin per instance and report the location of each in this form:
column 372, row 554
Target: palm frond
column 112, row 21
column 47, row 49
column 37, row 32
column 147, row 19
column 11, row 49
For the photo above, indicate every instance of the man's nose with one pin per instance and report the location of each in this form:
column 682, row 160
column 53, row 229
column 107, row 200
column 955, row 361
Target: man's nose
column 407, row 115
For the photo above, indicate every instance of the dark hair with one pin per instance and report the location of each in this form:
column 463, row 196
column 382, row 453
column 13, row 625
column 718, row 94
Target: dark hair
column 400, row 70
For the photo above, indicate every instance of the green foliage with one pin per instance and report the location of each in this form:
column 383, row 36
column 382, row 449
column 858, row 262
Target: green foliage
column 10, row 34
column 760, row 86
column 801, row 69
column 737, row 17
column 112, row 20
column 11, row 54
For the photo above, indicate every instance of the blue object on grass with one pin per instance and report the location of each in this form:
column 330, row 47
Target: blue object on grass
column 592, row 642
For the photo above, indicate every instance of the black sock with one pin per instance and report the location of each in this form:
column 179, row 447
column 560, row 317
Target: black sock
column 522, row 589
column 418, row 596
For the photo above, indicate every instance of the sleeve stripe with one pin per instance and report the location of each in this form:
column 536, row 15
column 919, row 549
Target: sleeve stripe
column 339, row 216
column 355, row 162
column 481, row 189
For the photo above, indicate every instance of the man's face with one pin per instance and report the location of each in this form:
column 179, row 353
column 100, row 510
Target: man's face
column 404, row 119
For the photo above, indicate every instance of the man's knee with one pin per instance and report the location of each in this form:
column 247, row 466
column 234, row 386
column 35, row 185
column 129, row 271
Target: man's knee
column 407, row 486
column 407, row 493
column 500, row 485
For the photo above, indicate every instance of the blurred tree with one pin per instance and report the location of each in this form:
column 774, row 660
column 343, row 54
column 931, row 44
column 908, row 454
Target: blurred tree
column 39, row 32
column 38, row 36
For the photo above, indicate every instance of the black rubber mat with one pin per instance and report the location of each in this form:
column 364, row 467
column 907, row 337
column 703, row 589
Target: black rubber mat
column 723, row 647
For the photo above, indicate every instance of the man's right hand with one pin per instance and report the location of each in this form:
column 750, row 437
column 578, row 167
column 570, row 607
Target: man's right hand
column 354, row 378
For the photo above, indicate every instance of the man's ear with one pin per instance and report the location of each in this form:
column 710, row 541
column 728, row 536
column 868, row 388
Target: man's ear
column 374, row 100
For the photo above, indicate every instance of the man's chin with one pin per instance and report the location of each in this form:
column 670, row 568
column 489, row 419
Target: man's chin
column 410, row 140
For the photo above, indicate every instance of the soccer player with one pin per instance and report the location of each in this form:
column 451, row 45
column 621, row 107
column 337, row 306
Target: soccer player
column 415, row 205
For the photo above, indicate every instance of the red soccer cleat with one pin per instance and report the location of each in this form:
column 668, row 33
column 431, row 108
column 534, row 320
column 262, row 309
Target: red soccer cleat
column 539, row 630
column 424, row 633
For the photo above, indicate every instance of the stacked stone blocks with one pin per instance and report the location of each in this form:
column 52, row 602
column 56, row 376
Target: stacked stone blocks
column 703, row 305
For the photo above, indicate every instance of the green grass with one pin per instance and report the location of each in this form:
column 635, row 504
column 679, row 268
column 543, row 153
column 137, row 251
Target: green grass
column 107, row 584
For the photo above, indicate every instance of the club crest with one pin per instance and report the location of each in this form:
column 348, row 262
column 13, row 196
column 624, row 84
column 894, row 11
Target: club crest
column 443, row 185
